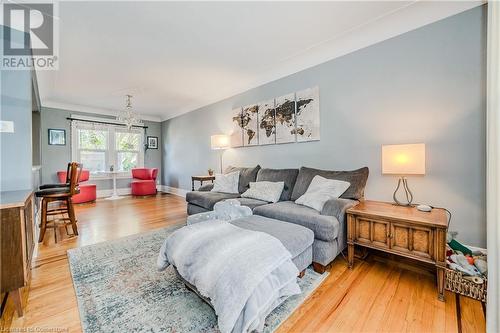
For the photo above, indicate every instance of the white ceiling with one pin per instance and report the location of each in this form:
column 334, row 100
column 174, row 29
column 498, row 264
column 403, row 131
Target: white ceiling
column 175, row 57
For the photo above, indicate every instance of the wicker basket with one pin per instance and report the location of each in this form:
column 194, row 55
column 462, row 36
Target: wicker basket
column 457, row 284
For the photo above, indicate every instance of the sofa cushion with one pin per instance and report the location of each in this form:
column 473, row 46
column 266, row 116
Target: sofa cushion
column 266, row 191
column 288, row 176
column 194, row 209
column 324, row 227
column 207, row 200
column 294, row 238
column 252, row 203
column 247, row 175
column 357, row 179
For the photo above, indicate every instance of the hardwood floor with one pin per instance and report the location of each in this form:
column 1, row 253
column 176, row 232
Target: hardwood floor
column 375, row 296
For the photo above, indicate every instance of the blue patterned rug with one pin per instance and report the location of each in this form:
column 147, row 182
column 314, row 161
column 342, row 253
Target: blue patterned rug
column 119, row 290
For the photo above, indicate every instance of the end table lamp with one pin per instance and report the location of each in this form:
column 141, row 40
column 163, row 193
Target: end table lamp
column 403, row 160
column 220, row 142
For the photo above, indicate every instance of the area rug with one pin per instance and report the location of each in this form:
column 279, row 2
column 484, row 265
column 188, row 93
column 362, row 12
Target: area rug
column 119, row 289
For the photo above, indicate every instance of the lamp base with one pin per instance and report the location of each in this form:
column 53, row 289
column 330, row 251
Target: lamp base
column 408, row 194
column 220, row 160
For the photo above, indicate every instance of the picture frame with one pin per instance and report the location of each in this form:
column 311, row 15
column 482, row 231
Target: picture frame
column 57, row 137
column 152, row 142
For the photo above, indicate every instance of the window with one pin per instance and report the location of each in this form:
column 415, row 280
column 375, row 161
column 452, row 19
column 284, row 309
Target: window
column 128, row 149
column 92, row 149
column 98, row 147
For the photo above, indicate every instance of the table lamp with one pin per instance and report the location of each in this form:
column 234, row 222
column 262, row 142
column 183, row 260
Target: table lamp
column 403, row 160
column 220, row 142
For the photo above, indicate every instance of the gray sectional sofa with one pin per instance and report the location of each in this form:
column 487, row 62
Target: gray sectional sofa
column 329, row 226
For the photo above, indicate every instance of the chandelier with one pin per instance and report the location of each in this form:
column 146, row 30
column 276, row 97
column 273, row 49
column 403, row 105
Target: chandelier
column 128, row 117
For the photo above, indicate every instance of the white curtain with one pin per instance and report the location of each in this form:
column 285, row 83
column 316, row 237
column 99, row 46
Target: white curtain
column 493, row 167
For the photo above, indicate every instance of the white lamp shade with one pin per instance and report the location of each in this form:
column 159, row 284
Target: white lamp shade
column 403, row 159
column 220, row 141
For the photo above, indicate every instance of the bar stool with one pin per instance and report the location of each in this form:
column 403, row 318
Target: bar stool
column 61, row 195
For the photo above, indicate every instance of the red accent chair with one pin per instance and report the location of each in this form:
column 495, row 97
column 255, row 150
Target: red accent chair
column 144, row 182
column 88, row 192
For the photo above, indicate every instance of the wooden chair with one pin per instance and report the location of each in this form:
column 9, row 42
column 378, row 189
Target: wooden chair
column 61, row 195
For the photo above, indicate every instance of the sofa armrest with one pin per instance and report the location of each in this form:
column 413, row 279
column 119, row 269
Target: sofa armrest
column 206, row 188
column 338, row 207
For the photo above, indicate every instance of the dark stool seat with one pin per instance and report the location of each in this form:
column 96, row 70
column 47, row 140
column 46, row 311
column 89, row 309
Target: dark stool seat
column 47, row 186
column 51, row 190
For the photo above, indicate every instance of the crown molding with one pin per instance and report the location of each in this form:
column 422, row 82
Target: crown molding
column 48, row 103
column 392, row 24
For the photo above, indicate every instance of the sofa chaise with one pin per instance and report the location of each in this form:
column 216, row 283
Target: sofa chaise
column 329, row 226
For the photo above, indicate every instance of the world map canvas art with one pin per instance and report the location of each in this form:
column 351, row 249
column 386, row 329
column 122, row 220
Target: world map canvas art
column 285, row 118
column 307, row 115
column 250, row 125
column 294, row 117
column 267, row 124
column 237, row 133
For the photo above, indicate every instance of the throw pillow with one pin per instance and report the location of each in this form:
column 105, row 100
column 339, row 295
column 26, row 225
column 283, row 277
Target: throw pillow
column 265, row 191
column 226, row 183
column 320, row 191
column 247, row 175
column 357, row 178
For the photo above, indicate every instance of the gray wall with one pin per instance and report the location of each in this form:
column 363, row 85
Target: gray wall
column 427, row 85
column 15, row 101
column 55, row 158
column 36, row 137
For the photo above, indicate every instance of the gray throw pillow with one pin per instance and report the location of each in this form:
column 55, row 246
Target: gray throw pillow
column 247, row 175
column 265, row 191
column 288, row 176
column 357, row 179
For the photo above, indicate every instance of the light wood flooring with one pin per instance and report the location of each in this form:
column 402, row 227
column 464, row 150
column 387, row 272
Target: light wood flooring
column 375, row 296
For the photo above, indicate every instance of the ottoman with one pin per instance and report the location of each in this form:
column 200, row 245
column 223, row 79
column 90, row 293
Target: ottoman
column 295, row 238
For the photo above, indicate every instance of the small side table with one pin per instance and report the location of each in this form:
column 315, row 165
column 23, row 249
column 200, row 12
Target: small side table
column 115, row 195
column 402, row 231
column 201, row 179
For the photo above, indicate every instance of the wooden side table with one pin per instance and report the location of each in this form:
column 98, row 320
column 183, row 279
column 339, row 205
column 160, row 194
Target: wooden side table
column 400, row 230
column 201, row 179
column 16, row 248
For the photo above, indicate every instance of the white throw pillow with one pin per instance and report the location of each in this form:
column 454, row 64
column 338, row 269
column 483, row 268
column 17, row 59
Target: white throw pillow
column 265, row 191
column 321, row 190
column 226, row 183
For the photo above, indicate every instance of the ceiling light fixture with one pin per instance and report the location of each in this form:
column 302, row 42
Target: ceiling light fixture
column 128, row 117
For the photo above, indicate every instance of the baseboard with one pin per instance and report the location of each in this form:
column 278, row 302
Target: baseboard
column 108, row 193
column 174, row 190
column 126, row 191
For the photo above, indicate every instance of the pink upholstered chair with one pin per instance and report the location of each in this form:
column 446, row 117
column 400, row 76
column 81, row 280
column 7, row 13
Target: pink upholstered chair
column 88, row 192
column 144, row 182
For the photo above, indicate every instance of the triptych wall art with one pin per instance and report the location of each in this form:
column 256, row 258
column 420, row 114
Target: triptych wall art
column 289, row 118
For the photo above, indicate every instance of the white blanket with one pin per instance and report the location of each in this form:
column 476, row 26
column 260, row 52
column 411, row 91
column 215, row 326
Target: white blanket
column 244, row 273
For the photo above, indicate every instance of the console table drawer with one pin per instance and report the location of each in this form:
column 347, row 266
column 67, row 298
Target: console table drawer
column 372, row 232
column 414, row 240
column 398, row 237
